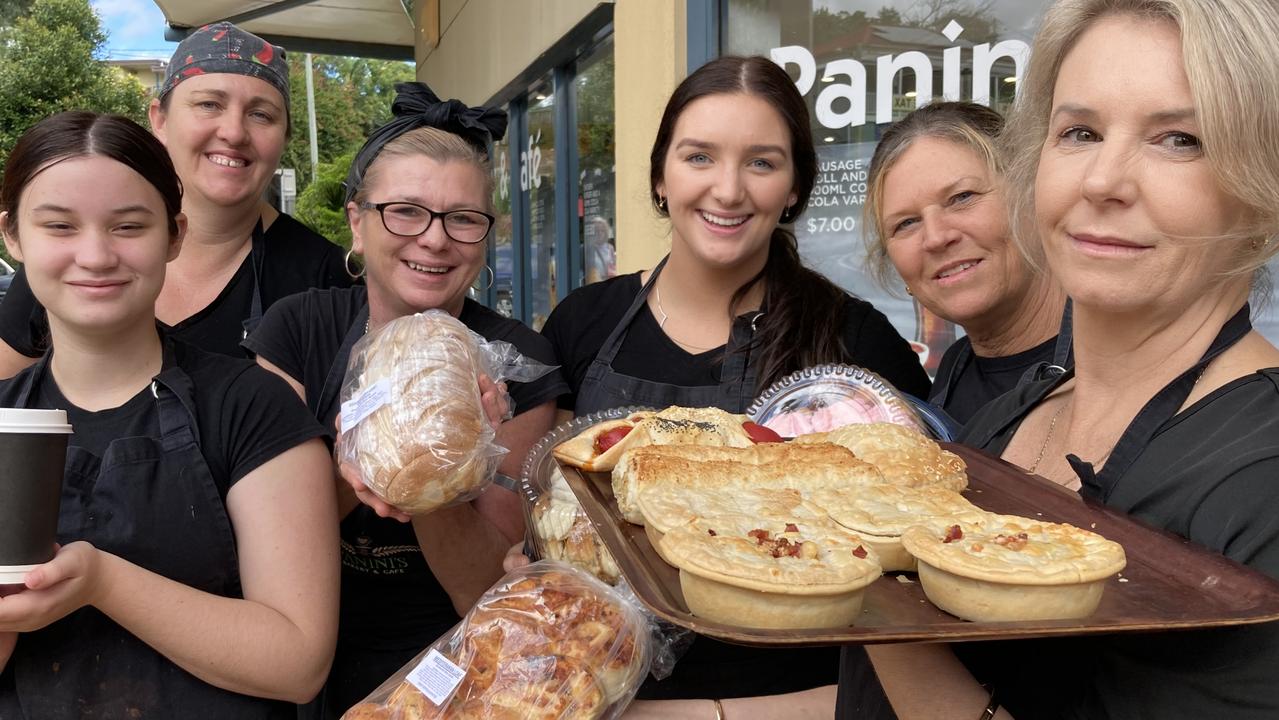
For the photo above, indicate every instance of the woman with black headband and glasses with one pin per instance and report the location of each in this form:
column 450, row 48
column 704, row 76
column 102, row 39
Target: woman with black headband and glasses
column 419, row 200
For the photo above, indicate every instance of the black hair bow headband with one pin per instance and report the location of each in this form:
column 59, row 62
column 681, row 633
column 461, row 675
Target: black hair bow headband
column 416, row 106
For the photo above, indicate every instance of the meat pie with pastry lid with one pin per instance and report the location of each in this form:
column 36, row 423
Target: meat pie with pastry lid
column 1007, row 568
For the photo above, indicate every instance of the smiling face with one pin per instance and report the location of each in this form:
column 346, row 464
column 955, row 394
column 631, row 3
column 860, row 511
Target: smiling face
column 408, row 275
column 94, row 238
column 727, row 177
column 225, row 133
column 947, row 233
column 1127, row 205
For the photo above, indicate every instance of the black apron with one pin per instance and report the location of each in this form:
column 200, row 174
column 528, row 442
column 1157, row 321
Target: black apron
column 1160, row 409
column 603, row 388
column 153, row 502
column 1137, row 436
column 945, row 381
column 709, row 668
column 357, row 671
column 257, row 256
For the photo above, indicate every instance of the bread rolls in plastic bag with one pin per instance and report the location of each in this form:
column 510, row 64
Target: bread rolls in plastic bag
column 547, row 642
column 413, row 425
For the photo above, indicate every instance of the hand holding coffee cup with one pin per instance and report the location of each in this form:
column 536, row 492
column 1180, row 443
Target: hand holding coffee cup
column 53, row 590
column 33, row 451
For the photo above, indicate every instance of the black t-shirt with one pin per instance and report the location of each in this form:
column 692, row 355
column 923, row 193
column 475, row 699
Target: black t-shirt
column 1209, row 475
column 244, row 415
column 392, row 604
column 578, row 328
column 580, row 324
column 983, row 379
column 295, row 259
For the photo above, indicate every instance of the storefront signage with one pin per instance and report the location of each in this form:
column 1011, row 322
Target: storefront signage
column 531, row 164
column 981, row 58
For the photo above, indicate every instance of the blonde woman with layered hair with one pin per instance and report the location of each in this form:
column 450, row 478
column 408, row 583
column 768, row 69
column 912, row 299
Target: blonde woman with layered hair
column 938, row 224
column 1144, row 175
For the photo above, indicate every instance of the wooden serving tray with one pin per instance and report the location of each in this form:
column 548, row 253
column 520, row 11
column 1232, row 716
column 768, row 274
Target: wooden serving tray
column 1169, row 582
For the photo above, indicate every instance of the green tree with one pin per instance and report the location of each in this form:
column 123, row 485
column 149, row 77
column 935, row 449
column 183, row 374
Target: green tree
column 50, row 62
column 352, row 97
column 888, row 15
column 321, row 205
column 11, row 10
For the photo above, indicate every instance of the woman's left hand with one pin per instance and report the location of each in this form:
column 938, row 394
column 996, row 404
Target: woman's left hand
column 54, row 590
column 497, row 404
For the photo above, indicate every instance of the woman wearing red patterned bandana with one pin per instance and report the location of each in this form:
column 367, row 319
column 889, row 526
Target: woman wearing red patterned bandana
column 223, row 115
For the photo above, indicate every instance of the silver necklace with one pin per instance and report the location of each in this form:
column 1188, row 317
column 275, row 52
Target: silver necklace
column 661, row 323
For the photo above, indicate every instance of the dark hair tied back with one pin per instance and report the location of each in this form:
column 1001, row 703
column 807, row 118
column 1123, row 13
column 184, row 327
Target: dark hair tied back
column 803, row 317
column 79, row 133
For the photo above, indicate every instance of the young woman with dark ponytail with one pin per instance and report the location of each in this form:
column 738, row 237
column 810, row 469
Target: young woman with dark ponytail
column 730, row 310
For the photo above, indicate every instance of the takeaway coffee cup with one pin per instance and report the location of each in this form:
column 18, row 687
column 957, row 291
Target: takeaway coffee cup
column 33, row 452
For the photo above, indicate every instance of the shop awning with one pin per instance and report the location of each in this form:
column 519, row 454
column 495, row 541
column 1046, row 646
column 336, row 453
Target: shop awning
column 365, row 28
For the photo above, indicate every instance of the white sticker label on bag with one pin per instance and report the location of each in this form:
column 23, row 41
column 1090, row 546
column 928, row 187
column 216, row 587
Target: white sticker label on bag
column 363, row 405
column 436, row 677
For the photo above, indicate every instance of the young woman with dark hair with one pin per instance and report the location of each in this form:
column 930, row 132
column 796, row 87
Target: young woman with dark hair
column 197, row 575
column 730, row 310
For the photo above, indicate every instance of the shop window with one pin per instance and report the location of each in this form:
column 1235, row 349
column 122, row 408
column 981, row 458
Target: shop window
column 553, row 193
column 861, row 64
column 597, row 206
column 501, row 294
column 537, row 182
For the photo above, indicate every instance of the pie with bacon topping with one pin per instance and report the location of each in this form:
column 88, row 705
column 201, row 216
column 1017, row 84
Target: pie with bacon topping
column 881, row 513
column 770, row 572
column 1005, row 568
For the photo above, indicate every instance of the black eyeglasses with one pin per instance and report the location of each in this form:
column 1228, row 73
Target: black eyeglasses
column 408, row 219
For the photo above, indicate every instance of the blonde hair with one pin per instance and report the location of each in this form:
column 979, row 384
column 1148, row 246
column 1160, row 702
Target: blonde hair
column 1232, row 64
column 439, row 145
column 975, row 127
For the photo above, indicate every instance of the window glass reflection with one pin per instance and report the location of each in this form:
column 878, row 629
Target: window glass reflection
column 597, row 207
column 503, row 260
column 861, row 64
column 537, row 180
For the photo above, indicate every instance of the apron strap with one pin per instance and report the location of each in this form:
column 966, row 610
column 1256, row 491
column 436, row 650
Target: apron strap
column 1159, row 410
column 614, row 342
column 946, row 377
column 1064, row 348
column 337, row 371
column 31, row 379
column 175, row 401
column 257, row 256
column 739, row 372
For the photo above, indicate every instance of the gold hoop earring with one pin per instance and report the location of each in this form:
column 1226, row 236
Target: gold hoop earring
column 492, row 279
column 346, row 265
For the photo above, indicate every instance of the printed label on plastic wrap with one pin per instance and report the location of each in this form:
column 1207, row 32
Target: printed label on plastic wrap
column 436, row 677
column 364, row 404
